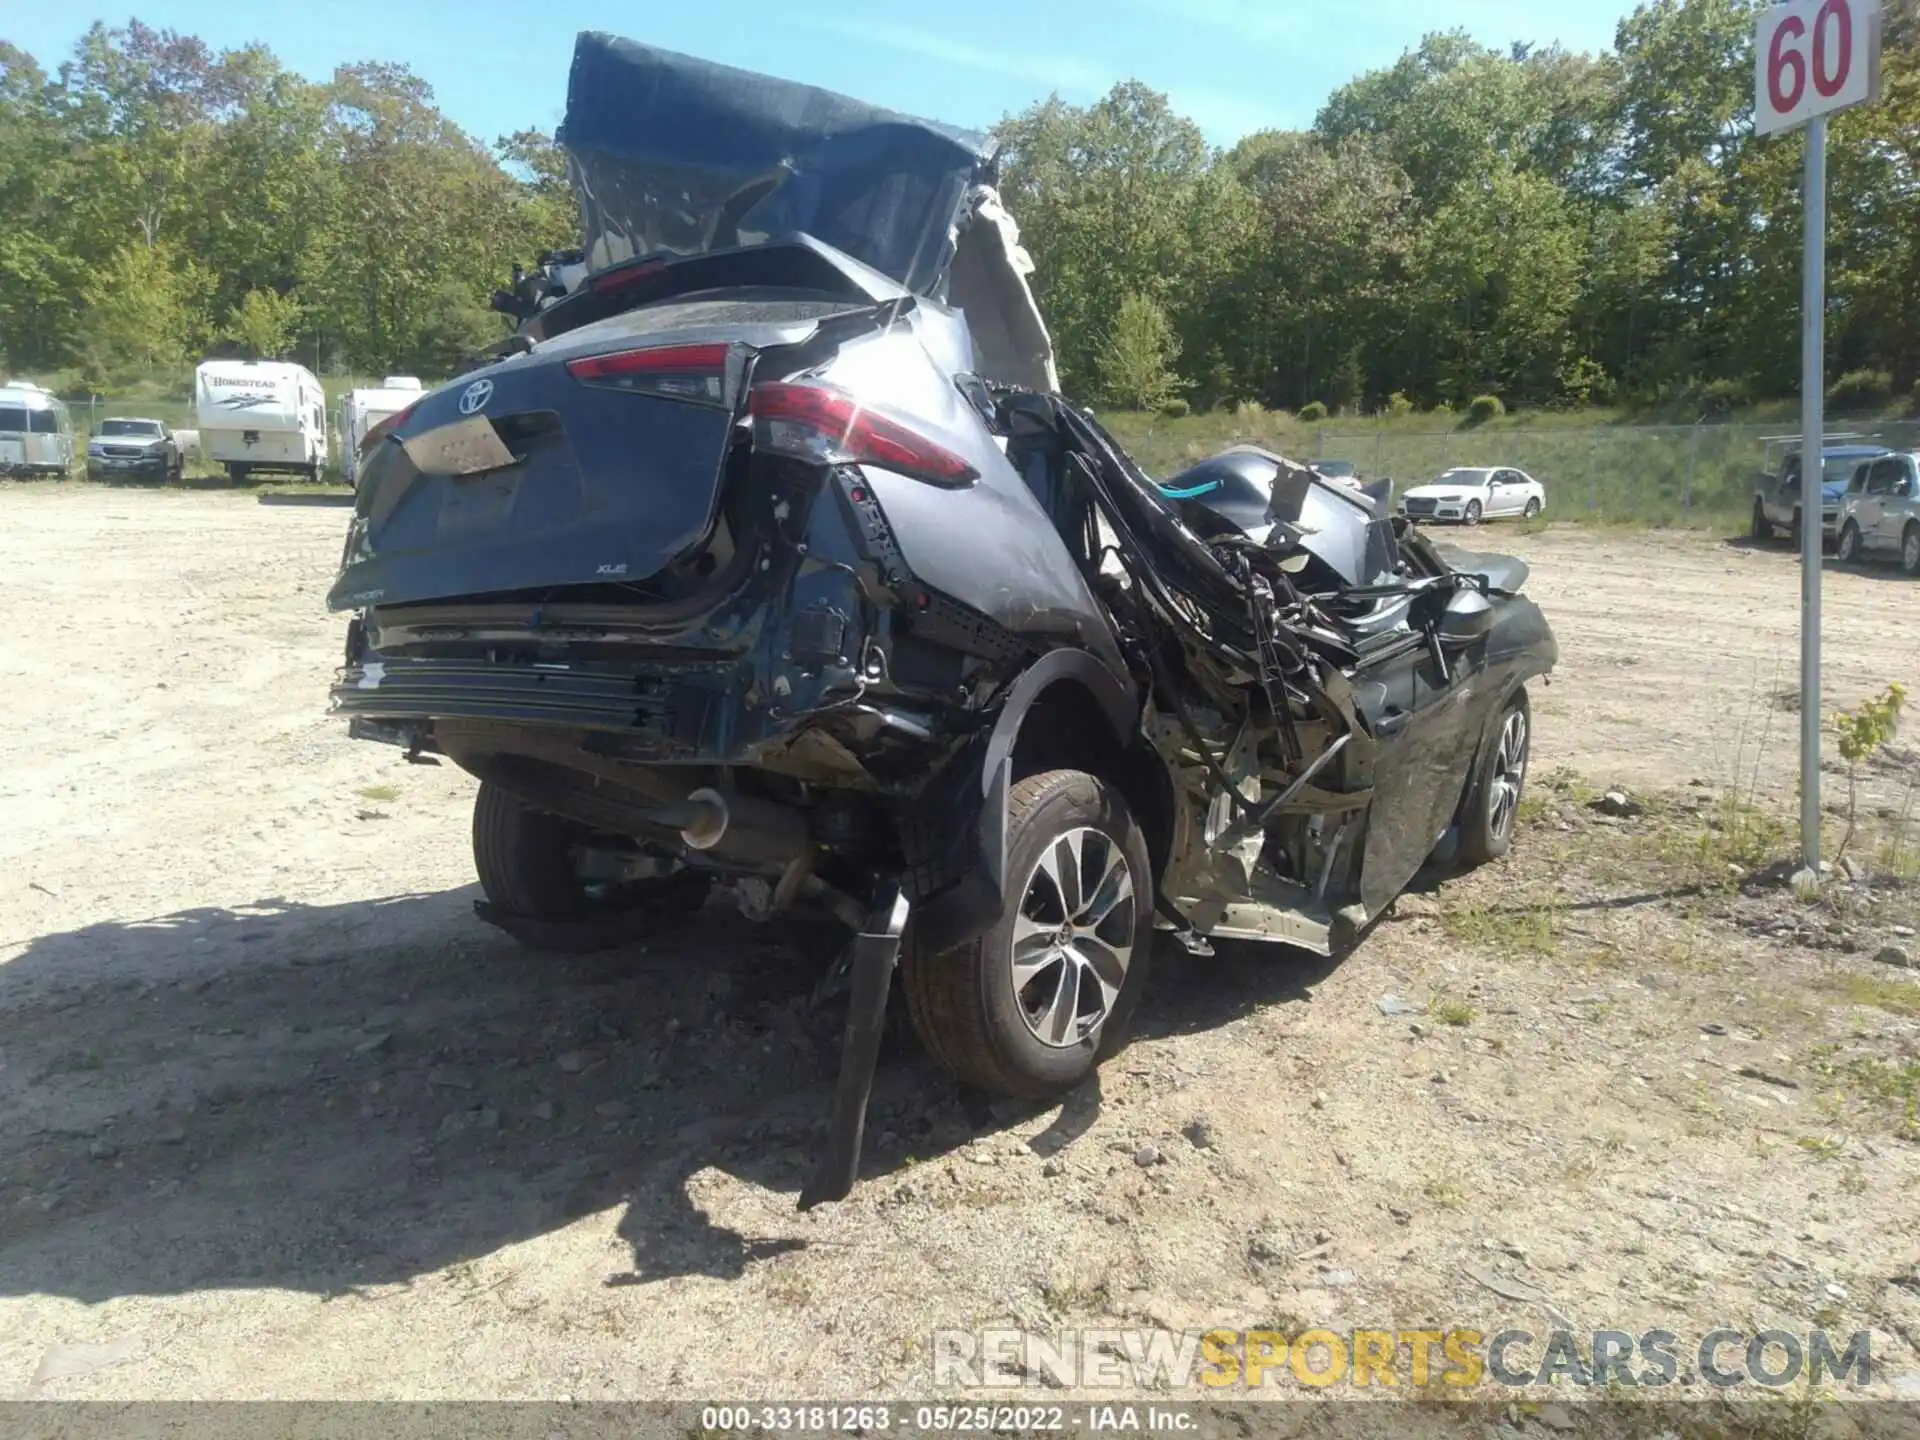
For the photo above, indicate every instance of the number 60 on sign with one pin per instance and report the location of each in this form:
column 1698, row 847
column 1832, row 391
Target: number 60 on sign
column 1812, row 57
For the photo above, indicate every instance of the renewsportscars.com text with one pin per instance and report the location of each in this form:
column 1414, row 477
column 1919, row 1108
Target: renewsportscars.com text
column 1459, row 1359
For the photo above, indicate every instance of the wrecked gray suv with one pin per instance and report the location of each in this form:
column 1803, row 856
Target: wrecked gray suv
column 769, row 555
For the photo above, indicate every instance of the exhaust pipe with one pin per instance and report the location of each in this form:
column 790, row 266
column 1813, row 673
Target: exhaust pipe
column 740, row 826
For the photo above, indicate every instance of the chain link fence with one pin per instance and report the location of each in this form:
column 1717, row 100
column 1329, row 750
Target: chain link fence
column 1604, row 472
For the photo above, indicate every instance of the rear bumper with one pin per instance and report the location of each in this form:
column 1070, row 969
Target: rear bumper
column 663, row 713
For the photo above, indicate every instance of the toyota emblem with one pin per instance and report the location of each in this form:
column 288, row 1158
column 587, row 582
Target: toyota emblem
column 474, row 398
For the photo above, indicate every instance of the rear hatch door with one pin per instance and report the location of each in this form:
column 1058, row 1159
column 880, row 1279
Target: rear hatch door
column 524, row 477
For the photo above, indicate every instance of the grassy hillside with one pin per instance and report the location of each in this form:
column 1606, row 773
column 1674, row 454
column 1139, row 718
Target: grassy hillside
column 1596, row 464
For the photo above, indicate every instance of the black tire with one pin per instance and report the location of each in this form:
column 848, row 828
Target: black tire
column 1493, row 798
column 1848, row 549
column 1793, row 530
column 238, row 473
column 1473, row 512
column 524, row 857
column 964, row 1004
column 525, row 860
column 1910, row 550
column 1532, row 512
column 1762, row 526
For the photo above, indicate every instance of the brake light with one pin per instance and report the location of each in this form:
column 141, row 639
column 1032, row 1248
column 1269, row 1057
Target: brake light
column 673, row 372
column 623, row 277
column 828, row 426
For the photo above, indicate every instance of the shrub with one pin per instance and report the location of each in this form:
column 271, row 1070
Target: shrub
column 1176, row 408
column 1722, row 395
column 1313, row 410
column 1136, row 358
column 1249, row 409
column 1398, row 404
column 1860, row 389
column 1584, row 381
column 1862, row 732
column 1443, row 408
column 1484, row 408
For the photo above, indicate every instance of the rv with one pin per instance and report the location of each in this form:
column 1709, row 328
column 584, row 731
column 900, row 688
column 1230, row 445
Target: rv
column 36, row 433
column 261, row 415
column 361, row 410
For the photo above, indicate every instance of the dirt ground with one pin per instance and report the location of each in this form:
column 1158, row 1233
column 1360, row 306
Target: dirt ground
column 280, row 1118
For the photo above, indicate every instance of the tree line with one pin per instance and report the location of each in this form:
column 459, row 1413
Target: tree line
column 1537, row 225
column 163, row 201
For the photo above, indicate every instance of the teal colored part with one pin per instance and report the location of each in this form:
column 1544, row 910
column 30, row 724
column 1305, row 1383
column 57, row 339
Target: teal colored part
column 1192, row 492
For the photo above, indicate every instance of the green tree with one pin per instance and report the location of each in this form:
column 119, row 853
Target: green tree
column 1500, row 269
column 1137, row 356
column 265, row 324
column 140, row 313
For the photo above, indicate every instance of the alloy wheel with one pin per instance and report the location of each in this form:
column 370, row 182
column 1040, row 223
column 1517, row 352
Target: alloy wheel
column 1509, row 774
column 1074, row 937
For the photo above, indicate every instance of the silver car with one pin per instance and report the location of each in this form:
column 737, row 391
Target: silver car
column 1880, row 514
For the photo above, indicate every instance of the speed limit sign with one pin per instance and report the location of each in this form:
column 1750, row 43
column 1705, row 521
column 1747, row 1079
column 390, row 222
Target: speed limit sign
column 1813, row 57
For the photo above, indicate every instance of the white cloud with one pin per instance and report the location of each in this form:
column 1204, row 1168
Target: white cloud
column 1067, row 74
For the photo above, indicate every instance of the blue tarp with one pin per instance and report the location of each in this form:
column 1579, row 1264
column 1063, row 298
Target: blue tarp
column 672, row 154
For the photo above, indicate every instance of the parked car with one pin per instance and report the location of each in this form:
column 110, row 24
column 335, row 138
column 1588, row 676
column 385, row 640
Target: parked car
column 36, row 432
column 1470, row 494
column 130, row 449
column 1341, row 472
column 1776, row 493
column 769, row 558
column 1880, row 513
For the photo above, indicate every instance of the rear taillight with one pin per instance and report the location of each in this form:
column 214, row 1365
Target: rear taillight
column 830, row 427
column 674, row 372
column 625, row 277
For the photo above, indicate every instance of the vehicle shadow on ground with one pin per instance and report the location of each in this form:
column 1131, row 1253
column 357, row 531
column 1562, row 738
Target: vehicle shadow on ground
column 332, row 1098
column 1878, row 567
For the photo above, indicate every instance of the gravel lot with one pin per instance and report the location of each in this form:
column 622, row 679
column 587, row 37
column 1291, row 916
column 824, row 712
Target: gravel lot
column 279, row 1118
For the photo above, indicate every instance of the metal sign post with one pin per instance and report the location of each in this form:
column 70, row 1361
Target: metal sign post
column 1813, row 383
column 1811, row 58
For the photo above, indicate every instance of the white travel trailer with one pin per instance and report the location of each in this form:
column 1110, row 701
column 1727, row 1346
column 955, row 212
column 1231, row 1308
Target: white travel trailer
column 361, row 410
column 36, row 433
column 261, row 415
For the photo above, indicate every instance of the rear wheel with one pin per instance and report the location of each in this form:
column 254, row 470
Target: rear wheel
column 1910, row 550
column 1762, row 526
column 1473, row 512
column 1533, row 508
column 528, row 864
column 1493, row 798
column 1031, row 1007
column 1793, row 531
column 1848, row 550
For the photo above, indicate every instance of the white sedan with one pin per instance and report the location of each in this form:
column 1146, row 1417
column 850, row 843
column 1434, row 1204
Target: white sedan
column 1476, row 493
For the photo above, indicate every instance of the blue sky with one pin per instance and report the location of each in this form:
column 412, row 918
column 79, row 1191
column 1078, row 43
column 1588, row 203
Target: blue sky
column 1232, row 65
